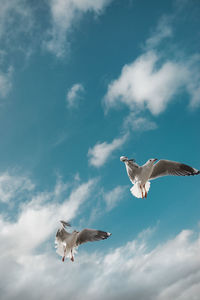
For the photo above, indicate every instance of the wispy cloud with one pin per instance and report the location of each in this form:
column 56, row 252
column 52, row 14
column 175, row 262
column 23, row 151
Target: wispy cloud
column 74, row 94
column 5, row 81
column 12, row 13
column 163, row 30
column 100, row 153
column 113, row 197
column 64, row 15
column 168, row 271
column 16, row 23
column 133, row 122
column 13, row 186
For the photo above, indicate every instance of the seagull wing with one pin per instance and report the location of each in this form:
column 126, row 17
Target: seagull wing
column 91, row 235
column 133, row 170
column 168, row 167
column 62, row 235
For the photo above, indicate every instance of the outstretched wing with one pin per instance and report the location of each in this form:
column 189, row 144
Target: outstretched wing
column 168, row 167
column 91, row 235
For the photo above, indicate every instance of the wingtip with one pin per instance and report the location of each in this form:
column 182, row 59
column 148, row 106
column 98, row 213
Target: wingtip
column 196, row 172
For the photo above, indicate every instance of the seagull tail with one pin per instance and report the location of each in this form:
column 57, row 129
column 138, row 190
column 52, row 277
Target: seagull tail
column 136, row 190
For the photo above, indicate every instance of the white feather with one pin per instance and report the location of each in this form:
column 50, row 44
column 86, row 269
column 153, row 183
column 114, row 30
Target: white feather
column 136, row 190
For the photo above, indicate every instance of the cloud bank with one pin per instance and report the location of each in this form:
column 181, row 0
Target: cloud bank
column 135, row 270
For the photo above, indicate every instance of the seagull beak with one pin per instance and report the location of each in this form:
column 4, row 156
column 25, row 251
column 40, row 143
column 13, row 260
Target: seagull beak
column 131, row 159
column 155, row 159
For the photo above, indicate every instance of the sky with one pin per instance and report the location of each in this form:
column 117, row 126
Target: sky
column 83, row 82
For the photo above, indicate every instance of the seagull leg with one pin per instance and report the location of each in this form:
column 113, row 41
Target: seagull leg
column 63, row 258
column 72, row 257
column 141, row 191
column 145, row 191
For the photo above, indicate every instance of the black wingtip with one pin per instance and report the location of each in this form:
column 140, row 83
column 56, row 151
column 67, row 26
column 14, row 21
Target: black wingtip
column 196, row 173
column 108, row 234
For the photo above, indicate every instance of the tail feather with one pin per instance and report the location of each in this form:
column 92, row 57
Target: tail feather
column 136, row 190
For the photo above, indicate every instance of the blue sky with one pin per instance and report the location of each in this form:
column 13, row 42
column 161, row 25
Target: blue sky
column 83, row 82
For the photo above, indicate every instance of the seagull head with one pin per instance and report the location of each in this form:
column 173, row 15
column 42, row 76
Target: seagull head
column 125, row 159
column 65, row 224
column 152, row 161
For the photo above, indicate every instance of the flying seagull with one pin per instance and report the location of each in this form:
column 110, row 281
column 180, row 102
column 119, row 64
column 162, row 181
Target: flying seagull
column 67, row 242
column 140, row 175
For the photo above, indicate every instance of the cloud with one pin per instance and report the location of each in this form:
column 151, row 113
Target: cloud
column 163, row 31
column 113, row 197
column 135, row 270
column 100, row 153
column 13, row 186
column 14, row 13
column 74, row 94
column 155, row 78
column 5, row 82
column 38, row 219
column 64, row 15
column 16, row 23
column 142, row 85
column 133, row 122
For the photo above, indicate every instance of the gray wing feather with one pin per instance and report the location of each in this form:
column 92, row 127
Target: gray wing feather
column 132, row 170
column 62, row 234
column 91, row 235
column 168, row 167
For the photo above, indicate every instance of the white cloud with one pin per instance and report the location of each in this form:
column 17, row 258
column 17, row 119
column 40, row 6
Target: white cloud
column 133, row 271
column 38, row 219
column 113, row 197
column 152, row 81
column 74, row 94
column 65, row 14
column 100, row 153
column 13, row 186
column 143, row 85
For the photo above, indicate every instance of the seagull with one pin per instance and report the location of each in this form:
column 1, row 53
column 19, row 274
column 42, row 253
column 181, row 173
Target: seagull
column 67, row 242
column 140, row 175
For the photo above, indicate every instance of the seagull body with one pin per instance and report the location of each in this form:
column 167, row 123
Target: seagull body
column 66, row 242
column 140, row 175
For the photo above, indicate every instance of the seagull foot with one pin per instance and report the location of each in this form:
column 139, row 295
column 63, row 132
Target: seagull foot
column 141, row 191
column 63, row 259
column 72, row 258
